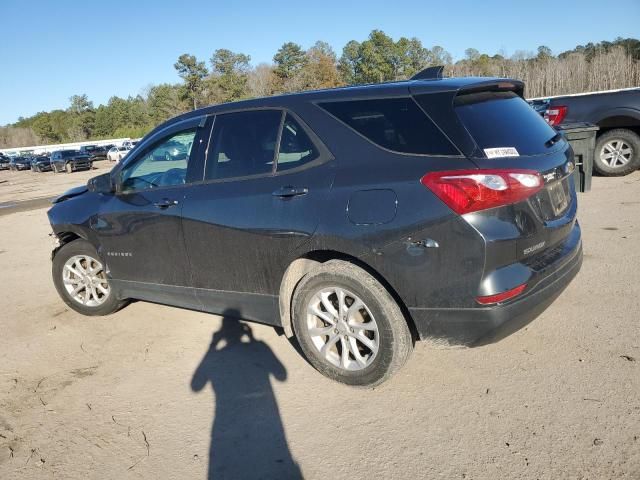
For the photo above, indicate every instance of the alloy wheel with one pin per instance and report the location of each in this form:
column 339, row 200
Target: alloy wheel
column 616, row 153
column 85, row 281
column 342, row 329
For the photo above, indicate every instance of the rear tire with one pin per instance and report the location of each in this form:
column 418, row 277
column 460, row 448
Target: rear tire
column 68, row 168
column 362, row 343
column 617, row 153
column 79, row 278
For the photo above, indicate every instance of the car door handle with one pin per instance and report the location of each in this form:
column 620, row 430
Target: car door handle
column 166, row 203
column 289, row 191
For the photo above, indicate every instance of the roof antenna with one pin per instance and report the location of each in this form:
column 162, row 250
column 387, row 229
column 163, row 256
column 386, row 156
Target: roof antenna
column 430, row 73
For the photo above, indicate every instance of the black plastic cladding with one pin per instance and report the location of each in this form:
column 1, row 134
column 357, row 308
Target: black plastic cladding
column 227, row 244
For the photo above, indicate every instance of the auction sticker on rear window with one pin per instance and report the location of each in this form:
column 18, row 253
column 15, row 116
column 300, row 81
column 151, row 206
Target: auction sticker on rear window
column 501, row 152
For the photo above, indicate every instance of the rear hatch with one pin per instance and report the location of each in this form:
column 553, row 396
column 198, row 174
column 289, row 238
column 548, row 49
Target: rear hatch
column 509, row 134
column 499, row 132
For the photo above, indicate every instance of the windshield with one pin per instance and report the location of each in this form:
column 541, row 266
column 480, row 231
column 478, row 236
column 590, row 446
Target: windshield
column 503, row 120
column 70, row 153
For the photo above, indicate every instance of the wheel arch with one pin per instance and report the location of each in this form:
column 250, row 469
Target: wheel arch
column 628, row 118
column 302, row 265
column 66, row 236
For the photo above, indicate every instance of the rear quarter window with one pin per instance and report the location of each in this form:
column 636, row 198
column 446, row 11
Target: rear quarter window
column 397, row 124
column 503, row 120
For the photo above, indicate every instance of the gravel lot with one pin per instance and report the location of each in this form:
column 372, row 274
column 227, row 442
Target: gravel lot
column 141, row 394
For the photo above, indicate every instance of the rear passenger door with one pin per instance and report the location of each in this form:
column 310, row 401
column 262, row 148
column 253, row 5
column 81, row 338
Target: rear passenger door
column 263, row 182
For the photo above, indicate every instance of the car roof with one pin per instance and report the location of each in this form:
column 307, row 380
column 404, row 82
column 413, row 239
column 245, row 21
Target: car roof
column 396, row 88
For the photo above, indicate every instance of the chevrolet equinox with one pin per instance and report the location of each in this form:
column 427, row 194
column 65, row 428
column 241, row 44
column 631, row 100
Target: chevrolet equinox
column 357, row 219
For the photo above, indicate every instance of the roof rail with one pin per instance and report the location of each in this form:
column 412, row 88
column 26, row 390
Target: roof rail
column 430, row 73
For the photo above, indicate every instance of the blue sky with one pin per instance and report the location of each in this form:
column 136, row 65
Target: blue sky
column 51, row 50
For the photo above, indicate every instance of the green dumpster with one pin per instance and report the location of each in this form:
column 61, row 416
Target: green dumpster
column 582, row 137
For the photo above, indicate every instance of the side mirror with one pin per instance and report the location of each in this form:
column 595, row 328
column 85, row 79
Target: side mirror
column 101, row 184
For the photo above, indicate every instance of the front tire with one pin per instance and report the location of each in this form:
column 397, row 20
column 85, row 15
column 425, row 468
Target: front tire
column 349, row 326
column 81, row 281
column 617, row 153
column 68, row 168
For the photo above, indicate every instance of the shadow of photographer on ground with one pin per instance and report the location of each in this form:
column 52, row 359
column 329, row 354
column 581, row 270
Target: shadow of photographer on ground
column 247, row 437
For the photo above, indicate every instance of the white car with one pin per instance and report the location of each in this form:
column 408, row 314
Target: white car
column 115, row 154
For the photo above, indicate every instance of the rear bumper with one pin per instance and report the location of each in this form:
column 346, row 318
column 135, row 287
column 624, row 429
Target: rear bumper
column 484, row 325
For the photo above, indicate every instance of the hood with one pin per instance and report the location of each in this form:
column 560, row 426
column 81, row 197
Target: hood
column 73, row 192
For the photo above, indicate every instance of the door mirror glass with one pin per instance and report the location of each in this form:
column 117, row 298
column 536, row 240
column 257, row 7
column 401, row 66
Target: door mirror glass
column 101, row 184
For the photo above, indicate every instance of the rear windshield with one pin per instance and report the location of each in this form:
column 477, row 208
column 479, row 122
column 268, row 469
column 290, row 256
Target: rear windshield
column 504, row 120
column 396, row 124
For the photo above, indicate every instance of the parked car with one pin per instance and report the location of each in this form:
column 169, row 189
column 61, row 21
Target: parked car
column 20, row 163
column 96, row 152
column 171, row 151
column 41, row 163
column 116, row 154
column 130, row 143
column 357, row 219
column 4, row 162
column 70, row 161
column 616, row 112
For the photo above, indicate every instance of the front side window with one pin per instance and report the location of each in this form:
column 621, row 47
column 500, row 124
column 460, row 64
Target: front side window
column 164, row 164
column 296, row 148
column 242, row 144
column 397, row 124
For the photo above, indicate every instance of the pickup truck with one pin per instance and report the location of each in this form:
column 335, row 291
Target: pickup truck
column 94, row 151
column 616, row 112
column 70, row 161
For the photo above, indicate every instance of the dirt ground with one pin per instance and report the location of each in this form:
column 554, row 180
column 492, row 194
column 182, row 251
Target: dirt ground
column 37, row 189
column 140, row 394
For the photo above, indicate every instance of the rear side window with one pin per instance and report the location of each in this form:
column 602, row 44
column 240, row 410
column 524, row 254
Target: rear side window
column 296, row 147
column 242, row 144
column 503, row 120
column 396, row 124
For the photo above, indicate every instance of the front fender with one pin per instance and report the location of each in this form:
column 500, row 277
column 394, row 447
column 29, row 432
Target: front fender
column 71, row 218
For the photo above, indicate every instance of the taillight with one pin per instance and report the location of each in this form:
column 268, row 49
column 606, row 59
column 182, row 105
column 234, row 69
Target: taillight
column 555, row 115
column 466, row 191
column 501, row 297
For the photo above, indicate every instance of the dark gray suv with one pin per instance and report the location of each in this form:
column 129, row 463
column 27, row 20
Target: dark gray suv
column 358, row 219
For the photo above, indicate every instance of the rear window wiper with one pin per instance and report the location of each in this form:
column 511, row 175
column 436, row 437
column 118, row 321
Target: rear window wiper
column 553, row 140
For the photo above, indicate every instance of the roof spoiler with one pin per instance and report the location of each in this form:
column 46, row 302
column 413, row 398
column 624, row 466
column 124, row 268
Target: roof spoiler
column 430, row 73
column 497, row 84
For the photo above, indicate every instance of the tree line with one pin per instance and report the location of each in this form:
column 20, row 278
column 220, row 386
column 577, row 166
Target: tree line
column 229, row 76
